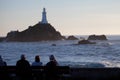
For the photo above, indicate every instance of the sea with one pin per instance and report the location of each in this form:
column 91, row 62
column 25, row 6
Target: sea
column 66, row 52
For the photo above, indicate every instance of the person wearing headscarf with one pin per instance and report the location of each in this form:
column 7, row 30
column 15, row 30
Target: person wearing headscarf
column 51, row 69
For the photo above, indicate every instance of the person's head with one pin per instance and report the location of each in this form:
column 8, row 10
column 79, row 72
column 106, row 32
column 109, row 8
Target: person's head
column 22, row 57
column 51, row 57
column 37, row 58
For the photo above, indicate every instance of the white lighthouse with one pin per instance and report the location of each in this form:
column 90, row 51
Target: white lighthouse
column 44, row 17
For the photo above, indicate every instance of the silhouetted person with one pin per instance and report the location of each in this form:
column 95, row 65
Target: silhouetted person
column 37, row 61
column 23, row 69
column 3, row 70
column 38, row 75
column 51, row 69
column 2, row 63
column 52, row 58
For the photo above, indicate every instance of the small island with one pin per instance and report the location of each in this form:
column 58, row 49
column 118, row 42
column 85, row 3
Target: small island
column 72, row 38
column 38, row 32
column 97, row 37
column 86, row 42
column 42, row 31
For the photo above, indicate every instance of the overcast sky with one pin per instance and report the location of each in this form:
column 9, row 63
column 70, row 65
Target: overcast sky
column 70, row 17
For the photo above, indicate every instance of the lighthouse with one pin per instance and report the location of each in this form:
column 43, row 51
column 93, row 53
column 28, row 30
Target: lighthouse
column 44, row 17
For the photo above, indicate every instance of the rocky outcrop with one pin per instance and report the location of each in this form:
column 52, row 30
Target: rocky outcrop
column 97, row 37
column 38, row 32
column 85, row 42
column 2, row 39
column 72, row 38
column 64, row 38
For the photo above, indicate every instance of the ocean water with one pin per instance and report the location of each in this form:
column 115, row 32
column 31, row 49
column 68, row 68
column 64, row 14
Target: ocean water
column 101, row 54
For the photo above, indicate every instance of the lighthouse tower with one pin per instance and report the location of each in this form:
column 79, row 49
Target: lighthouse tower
column 44, row 17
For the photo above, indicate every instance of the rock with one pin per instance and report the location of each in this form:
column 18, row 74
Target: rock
column 82, row 38
column 2, row 39
column 38, row 32
column 63, row 37
column 85, row 42
column 97, row 37
column 53, row 44
column 72, row 38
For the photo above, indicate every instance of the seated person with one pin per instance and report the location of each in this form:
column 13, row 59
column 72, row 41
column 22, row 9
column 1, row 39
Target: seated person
column 2, row 63
column 51, row 69
column 38, row 75
column 23, row 69
column 37, row 61
column 3, row 73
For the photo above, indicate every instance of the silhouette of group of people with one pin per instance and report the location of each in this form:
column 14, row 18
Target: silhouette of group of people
column 24, row 71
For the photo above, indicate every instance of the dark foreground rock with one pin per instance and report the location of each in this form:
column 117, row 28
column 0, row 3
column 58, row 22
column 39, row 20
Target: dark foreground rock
column 85, row 42
column 72, row 38
column 38, row 32
column 97, row 37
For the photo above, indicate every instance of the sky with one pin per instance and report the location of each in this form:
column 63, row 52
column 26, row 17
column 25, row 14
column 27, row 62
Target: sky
column 69, row 17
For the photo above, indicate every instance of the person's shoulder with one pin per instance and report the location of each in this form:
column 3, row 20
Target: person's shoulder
column 26, row 61
column 22, row 62
column 18, row 61
column 41, row 63
column 33, row 63
column 37, row 64
column 47, row 63
column 51, row 63
column 5, row 64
